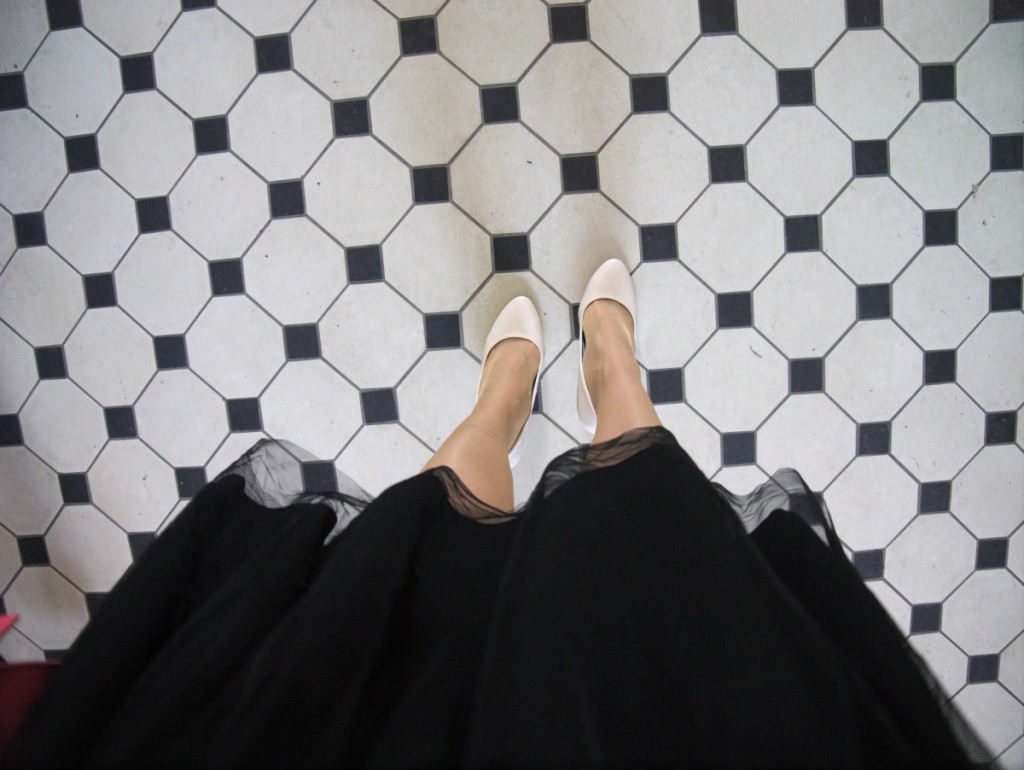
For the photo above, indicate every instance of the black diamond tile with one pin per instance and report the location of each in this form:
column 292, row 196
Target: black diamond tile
column 982, row 668
column 29, row 229
column 418, row 35
column 379, row 406
column 939, row 366
column 873, row 301
column 511, row 253
column 286, row 199
column 863, row 14
column 925, row 618
column 568, row 23
column 871, row 157
column 154, row 214
column 244, row 414
column 579, row 173
column 1007, row 152
column 364, row 264
column 728, row 164
column 273, row 53
column 211, row 134
column 1004, row 294
column 170, row 352
column 649, row 93
column 82, row 152
column 735, row 310
column 658, row 243
column 992, row 553
column 803, row 233
column 935, row 497
column 499, row 104
column 873, row 438
column 32, row 550
column 717, row 16
column 430, row 184
column 13, row 95
column 301, row 341
column 807, row 375
column 99, row 290
column 63, row 14
column 319, row 476
column 192, row 5
column 93, row 602
column 665, row 386
column 189, row 481
column 10, row 430
column 1007, row 10
column 226, row 277
column 739, row 448
column 351, row 117
column 1000, row 428
column 120, row 422
column 137, row 73
column 796, row 87
column 138, row 542
column 938, row 82
column 442, row 330
column 870, row 564
column 940, row 228
column 74, row 488
column 50, row 363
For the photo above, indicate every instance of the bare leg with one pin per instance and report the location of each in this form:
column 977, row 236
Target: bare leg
column 477, row 450
column 612, row 373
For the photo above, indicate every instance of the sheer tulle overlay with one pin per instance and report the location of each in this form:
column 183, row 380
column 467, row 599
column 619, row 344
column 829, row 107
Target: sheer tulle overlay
column 630, row 612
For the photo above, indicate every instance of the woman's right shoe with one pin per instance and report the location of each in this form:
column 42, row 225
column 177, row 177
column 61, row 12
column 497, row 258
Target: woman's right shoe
column 610, row 281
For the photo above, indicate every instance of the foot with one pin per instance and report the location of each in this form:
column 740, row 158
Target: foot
column 506, row 384
column 610, row 348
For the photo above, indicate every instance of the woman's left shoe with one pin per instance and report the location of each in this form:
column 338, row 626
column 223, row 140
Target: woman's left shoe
column 518, row 320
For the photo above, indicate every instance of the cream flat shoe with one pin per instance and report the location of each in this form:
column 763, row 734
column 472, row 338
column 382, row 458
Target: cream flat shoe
column 517, row 320
column 610, row 281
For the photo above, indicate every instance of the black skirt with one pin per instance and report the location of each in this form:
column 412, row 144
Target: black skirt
column 631, row 613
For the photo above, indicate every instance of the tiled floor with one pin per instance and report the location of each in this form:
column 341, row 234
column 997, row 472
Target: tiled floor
column 298, row 219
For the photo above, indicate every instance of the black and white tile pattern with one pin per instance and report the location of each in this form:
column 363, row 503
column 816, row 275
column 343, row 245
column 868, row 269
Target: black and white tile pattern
column 298, row 218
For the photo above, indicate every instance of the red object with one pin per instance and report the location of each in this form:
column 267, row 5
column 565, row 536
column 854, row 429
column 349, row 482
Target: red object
column 20, row 686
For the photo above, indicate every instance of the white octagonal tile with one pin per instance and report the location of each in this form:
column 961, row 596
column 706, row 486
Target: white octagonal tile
column 1011, row 667
column 940, row 297
column 88, row 548
column 63, row 426
column 930, row 558
column 280, row 125
column 505, row 178
column 323, row 419
column 294, row 271
column 947, row 662
column 219, row 206
column 438, row 394
column 493, row 41
column 233, row 448
column 895, row 606
column 358, row 191
column 939, row 130
column 132, row 485
column 993, row 713
column 10, row 559
column 990, row 78
column 938, row 432
column 736, row 380
column 19, row 370
column 52, row 611
column 267, row 17
column 740, row 479
column 405, row 9
column 809, row 433
column 654, row 168
column 988, row 496
column 873, row 370
column 7, row 239
column 129, row 27
column 32, row 157
column 162, row 283
column 116, row 373
column 723, row 90
column 29, row 492
column 437, row 258
column 558, row 391
column 643, row 37
column 935, row 32
column 445, row 103
column 381, row 455
column 235, row 346
column 731, row 237
column 871, row 501
column 33, row 273
column 799, row 160
column 669, row 297
column 90, row 222
column 791, row 33
column 988, row 225
column 372, row 335
column 146, row 143
column 985, row 613
column 574, row 97
column 181, row 418
column 25, row 25
column 1015, row 557
column 204, row 62
column 694, row 434
column 990, row 364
